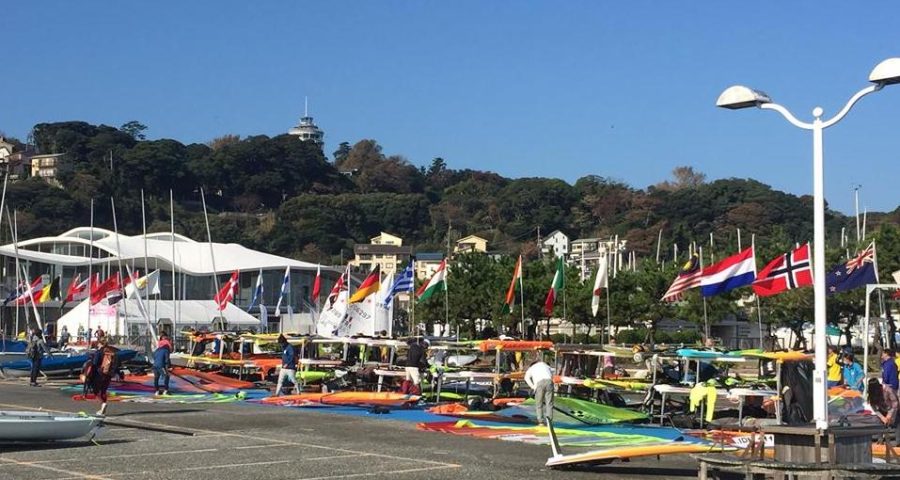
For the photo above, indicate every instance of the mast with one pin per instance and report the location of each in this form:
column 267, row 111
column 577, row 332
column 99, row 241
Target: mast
column 174, row 276
column 212, row 255
column 112, row 202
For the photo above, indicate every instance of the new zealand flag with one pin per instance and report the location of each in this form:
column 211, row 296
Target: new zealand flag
column 857, row 272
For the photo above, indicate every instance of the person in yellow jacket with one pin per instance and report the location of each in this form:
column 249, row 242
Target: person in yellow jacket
column 834, row 367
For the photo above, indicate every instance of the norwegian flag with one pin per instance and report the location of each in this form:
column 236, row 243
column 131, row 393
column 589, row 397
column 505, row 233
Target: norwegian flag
column 689, row 277
column 787, row 272
column 226, row 293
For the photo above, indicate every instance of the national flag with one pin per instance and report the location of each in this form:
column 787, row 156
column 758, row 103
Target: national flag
column 15, row 293
column 78, row 289
column 317, row 284
column 227, row 292
column 144, row 286
column 559, row 283
column 49, row 292
column 787, row 272
column 339, row 286
column 688, row 278
column 384, row 291
column 515, row 285
column 602, row 281
column 110, row 289
column 285, row 287
column 437, row 283
column 733, row 272
column 405, row 282
column 257, row 292
column 857, row 272
column 30, row 294
column 369, row 286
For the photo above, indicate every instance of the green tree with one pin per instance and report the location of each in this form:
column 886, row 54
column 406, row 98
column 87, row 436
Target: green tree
column 134, row 129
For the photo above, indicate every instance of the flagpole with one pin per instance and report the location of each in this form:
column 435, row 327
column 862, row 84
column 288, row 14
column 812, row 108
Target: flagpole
column 146, row 261
column 90, row 275
column 12, row 233
column 119, row 261
column 522, row 294
column 174, row 275
column 37, row 315
column 758, row 305
column 705, row 314
column 212, row 255
column 2, row 205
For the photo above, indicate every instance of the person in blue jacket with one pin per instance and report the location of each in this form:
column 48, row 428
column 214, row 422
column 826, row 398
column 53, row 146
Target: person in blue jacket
column 852, row 372
column 162, row 364
column 889, row 370
column 288, row 365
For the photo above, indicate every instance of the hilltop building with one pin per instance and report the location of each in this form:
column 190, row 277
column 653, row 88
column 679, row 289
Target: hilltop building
column 307, row 130
column 557, row 244
column 385, row 250
column 471, row 243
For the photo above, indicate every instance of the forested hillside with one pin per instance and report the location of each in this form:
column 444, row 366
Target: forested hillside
column 282, row 195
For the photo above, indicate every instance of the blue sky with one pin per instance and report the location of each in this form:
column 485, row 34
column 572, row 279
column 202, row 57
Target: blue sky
column 558, row 89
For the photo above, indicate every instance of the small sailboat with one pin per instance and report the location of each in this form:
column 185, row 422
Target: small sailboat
column 27, row 426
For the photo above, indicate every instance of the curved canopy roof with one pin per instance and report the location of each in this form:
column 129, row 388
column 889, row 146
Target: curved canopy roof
column 191, row 257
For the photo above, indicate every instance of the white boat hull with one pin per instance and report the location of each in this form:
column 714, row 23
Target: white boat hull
column 25, row 426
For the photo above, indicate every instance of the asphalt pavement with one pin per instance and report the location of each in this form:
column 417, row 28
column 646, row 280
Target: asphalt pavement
column 246, row 441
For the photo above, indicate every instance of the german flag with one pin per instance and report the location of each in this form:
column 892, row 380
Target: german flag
column 370, row 285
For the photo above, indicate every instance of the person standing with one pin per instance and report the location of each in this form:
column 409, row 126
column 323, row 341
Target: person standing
column 80, row 333
column 106, row 364
column 834, row 367
column 540, row 378
column 889, row 370
column 288, row 366
column 415, row 360
column 34, row 350
column 63, row 338
column 162, row 364
column 852, row 372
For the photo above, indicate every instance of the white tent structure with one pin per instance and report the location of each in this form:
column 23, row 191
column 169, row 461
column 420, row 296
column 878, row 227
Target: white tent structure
column 187, row 269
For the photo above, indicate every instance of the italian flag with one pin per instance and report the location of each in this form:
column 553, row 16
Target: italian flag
column 437, row 283
column 515, row 284
column 559, row 282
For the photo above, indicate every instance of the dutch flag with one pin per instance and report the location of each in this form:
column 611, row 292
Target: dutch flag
column 733, row 272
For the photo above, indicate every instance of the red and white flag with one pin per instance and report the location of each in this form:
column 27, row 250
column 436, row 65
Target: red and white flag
column 339, row 286
column 787, row 272
column 227, row 292
column 317, row 284
column 31, row 293
column 110, row 290
column 600, row 282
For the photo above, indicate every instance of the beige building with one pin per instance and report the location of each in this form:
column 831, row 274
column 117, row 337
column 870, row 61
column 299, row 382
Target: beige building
column 427, row 264
column 385, row 250
column 6, row 148
column 12, row 161
column 471, row 243
column 47, row 167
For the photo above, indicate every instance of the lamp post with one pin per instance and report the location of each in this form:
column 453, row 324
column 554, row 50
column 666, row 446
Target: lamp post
column 737, row 97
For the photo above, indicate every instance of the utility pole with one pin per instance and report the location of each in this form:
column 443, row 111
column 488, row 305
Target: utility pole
column 539, row 243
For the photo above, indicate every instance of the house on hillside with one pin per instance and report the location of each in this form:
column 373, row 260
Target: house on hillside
column 471, row 243
column 556, row 244
column 385, row 250
column 46, row 166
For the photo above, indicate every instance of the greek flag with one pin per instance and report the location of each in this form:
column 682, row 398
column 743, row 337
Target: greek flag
column 405, row 282
column 257, row 292
column 285, row 286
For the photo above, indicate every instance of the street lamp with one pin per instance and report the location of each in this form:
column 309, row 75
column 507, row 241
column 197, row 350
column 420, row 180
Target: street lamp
column 737, row 97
